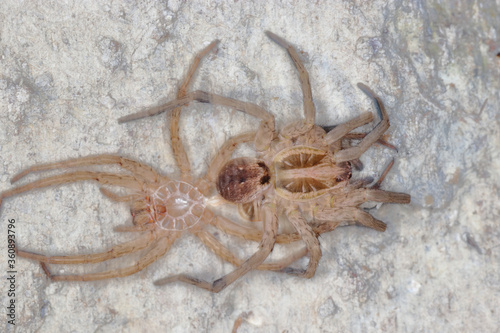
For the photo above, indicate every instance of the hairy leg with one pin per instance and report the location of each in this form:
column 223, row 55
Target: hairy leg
column 177, row 147
column 253, row 234
column 355, row 152
column 312, row 244
column 265, row 247
column 265, row 132
column 158, row 249
column 360, row 136
column 349, row 215
column 222, row 251
column 340, row 131
column 141, row 170
column 71, row 177
column 119, row 198
column 305, row 85
column 115, row 252
column 362, row 195
column 356, row 194
column 384, row 174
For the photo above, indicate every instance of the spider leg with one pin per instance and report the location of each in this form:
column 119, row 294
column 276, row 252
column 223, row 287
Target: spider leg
column 281, row 265
column 71, row 177
column 349, row 215
column 252, row 234
column 158, row 249
column 246, row 233
column 115, row 252
column 341, row 130
column 222, row 251
column 224, row 154
column 177, row 147
column 384, row 174
column 356, row 195
column 359, row 196
column 138, row 169
column 240, row 231
column 265, row 247
column 375, row 134
column 265, row 132
column 312, row 244
column 119, row 198
column 359, row 136
column 321, row 227
column 305, row 85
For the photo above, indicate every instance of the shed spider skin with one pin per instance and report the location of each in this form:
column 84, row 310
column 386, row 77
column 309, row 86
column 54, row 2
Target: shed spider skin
column 162, row 208
column 303, row 174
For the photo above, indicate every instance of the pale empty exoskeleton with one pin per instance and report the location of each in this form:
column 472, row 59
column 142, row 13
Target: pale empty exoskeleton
column 303, row 174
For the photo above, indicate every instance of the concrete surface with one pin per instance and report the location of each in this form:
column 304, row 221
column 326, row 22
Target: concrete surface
column 68, row 70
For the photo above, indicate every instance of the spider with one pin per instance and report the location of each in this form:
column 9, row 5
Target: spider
column 304, row 174
column 162, row 208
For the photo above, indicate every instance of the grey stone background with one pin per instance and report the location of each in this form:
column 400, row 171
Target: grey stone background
column 68, row 70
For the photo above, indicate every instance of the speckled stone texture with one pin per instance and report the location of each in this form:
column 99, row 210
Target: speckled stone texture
column 69, row 70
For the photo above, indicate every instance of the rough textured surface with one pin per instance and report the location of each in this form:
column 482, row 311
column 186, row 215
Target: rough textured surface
column 68, row 71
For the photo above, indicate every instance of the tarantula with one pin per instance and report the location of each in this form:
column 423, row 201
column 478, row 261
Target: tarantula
column 162, row 208
column 304, row 171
